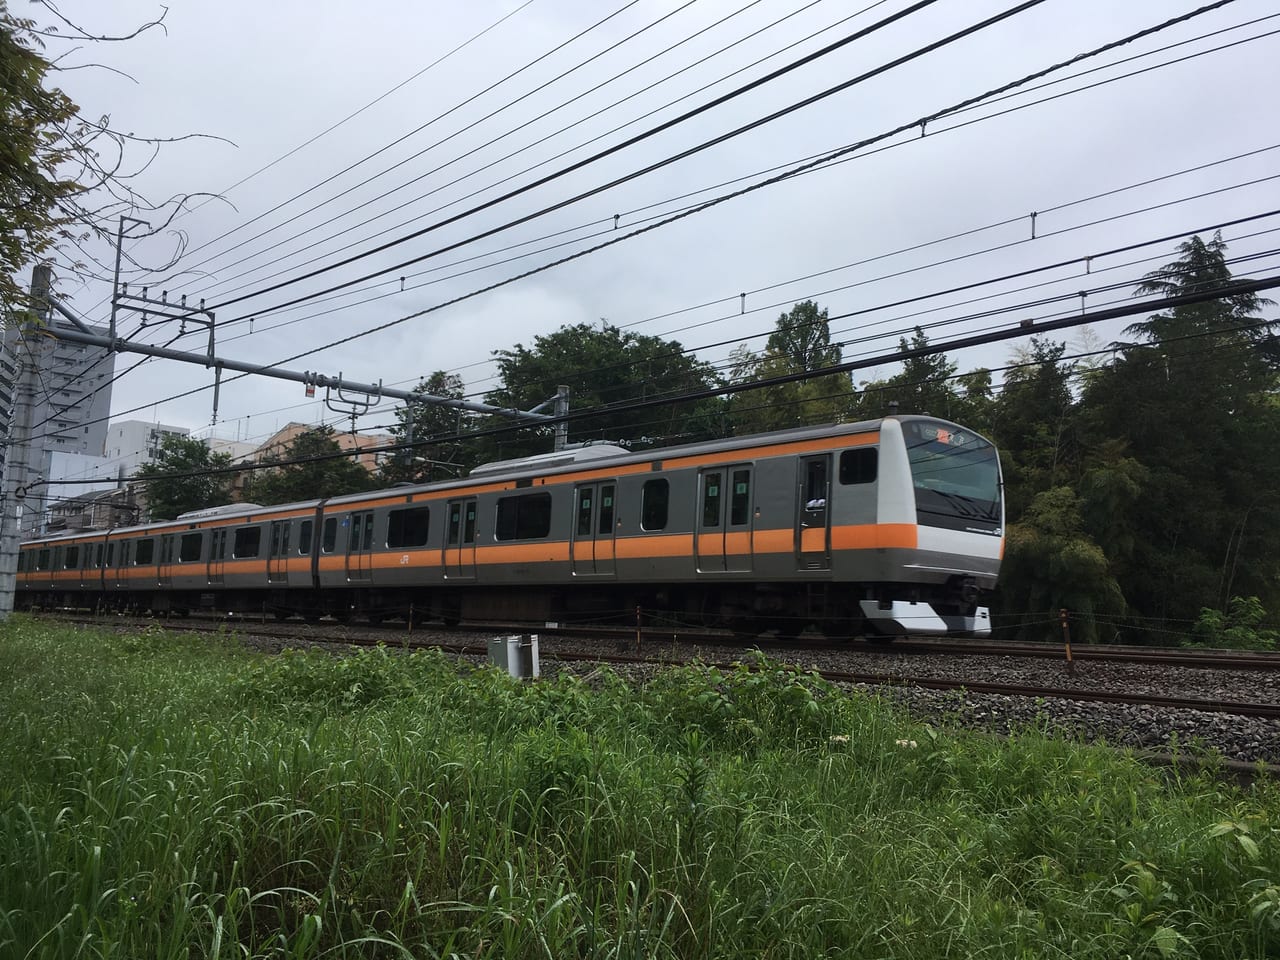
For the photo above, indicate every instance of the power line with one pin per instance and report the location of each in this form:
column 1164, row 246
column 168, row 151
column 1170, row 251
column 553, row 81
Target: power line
column 936, row 132
column 355, row 243
column 603, row 110
column 458, row 106
column 1022, row 330
column 639, row 138
column 753, row 187
column 374, row 102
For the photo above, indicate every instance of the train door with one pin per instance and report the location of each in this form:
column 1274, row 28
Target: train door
column 118, row 561
column 164, row 567
column 460, row 540
column 278, row 555
column 592, row 546
column 360, row 546
column 813, row 513
column 217, row 556
column 724, row 540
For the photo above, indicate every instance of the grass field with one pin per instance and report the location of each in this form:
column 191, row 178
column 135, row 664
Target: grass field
column 168, row 797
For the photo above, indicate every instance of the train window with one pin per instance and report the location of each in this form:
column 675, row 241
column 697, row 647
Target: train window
column 408, row 528
column 455, row 522
column 111, row 554
column 42, row 559
column 815, row 484
column 189, row 547
column 469, row 520
column 711, row 499
column 606, row 509
column 329, row 537
column 304, row 538
column 145, row 551
column 248, row 542
column 653, row 505
column 858, row 466
column 368, row 532
column 584, row 511
column 740, row 498
column 526, row 517
column 97, row 555
column 72, row 559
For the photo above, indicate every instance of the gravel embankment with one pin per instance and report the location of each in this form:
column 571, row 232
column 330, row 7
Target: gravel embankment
column 1143, row 728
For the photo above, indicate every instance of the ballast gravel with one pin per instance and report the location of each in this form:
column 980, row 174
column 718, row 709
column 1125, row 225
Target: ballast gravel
column 1143, row 728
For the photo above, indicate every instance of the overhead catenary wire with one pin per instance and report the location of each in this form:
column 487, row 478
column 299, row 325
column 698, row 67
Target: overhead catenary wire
column 914, row 352
column 357, row 242
column 763, row 183
column 147, row 405
column 1148, row 305
column 653, row 131
column 506, row 133
column 1163, row 239
column 472, row 98
column 936, row 132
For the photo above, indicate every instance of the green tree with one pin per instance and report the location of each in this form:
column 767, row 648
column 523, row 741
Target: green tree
column 33, row 121
column 309, row 469
column 1051, row 564
column 924, row 385
column 800, row 343
column 1193, row 404
column 422, row 423
column 167, row 497
column 602, row 367
column 1033, row 423
column 63, row 176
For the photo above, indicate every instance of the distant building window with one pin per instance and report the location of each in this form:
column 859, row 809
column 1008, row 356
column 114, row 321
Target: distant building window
column 248, row 542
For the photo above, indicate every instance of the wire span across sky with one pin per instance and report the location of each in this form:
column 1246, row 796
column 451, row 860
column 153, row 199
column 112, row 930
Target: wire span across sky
column 545, row 78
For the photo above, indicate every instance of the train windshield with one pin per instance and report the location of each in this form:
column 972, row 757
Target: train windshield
column 956, row 477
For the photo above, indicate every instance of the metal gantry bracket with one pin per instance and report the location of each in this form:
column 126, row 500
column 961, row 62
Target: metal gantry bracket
column 340, row 398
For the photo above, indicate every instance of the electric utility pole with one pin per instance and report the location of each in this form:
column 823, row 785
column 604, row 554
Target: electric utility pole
column 25, row 347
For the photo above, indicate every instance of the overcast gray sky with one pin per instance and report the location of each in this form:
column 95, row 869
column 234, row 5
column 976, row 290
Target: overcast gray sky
column 270, row 76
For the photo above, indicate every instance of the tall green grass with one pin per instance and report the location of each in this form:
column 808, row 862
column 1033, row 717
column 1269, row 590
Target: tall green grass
column 164, row 797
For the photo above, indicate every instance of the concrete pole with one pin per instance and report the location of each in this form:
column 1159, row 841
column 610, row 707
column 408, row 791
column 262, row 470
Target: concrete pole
column 561, row 410
column 17, row 468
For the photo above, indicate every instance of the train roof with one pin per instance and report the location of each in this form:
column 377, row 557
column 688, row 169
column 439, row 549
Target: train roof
column 539, row 465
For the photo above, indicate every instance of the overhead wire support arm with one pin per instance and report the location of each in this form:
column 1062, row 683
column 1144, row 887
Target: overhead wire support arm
column 306, row 377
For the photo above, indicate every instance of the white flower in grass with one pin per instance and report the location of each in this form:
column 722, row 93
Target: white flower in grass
column 838, row 738
column 907, row 744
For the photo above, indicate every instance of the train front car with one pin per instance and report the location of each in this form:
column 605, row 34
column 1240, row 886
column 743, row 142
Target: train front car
column 943, row 480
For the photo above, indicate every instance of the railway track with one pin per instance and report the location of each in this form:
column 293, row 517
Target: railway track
column 651, row 636
column 284, row 634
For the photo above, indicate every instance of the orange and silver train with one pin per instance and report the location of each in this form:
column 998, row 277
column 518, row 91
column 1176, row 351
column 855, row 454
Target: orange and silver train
column 889, row 527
